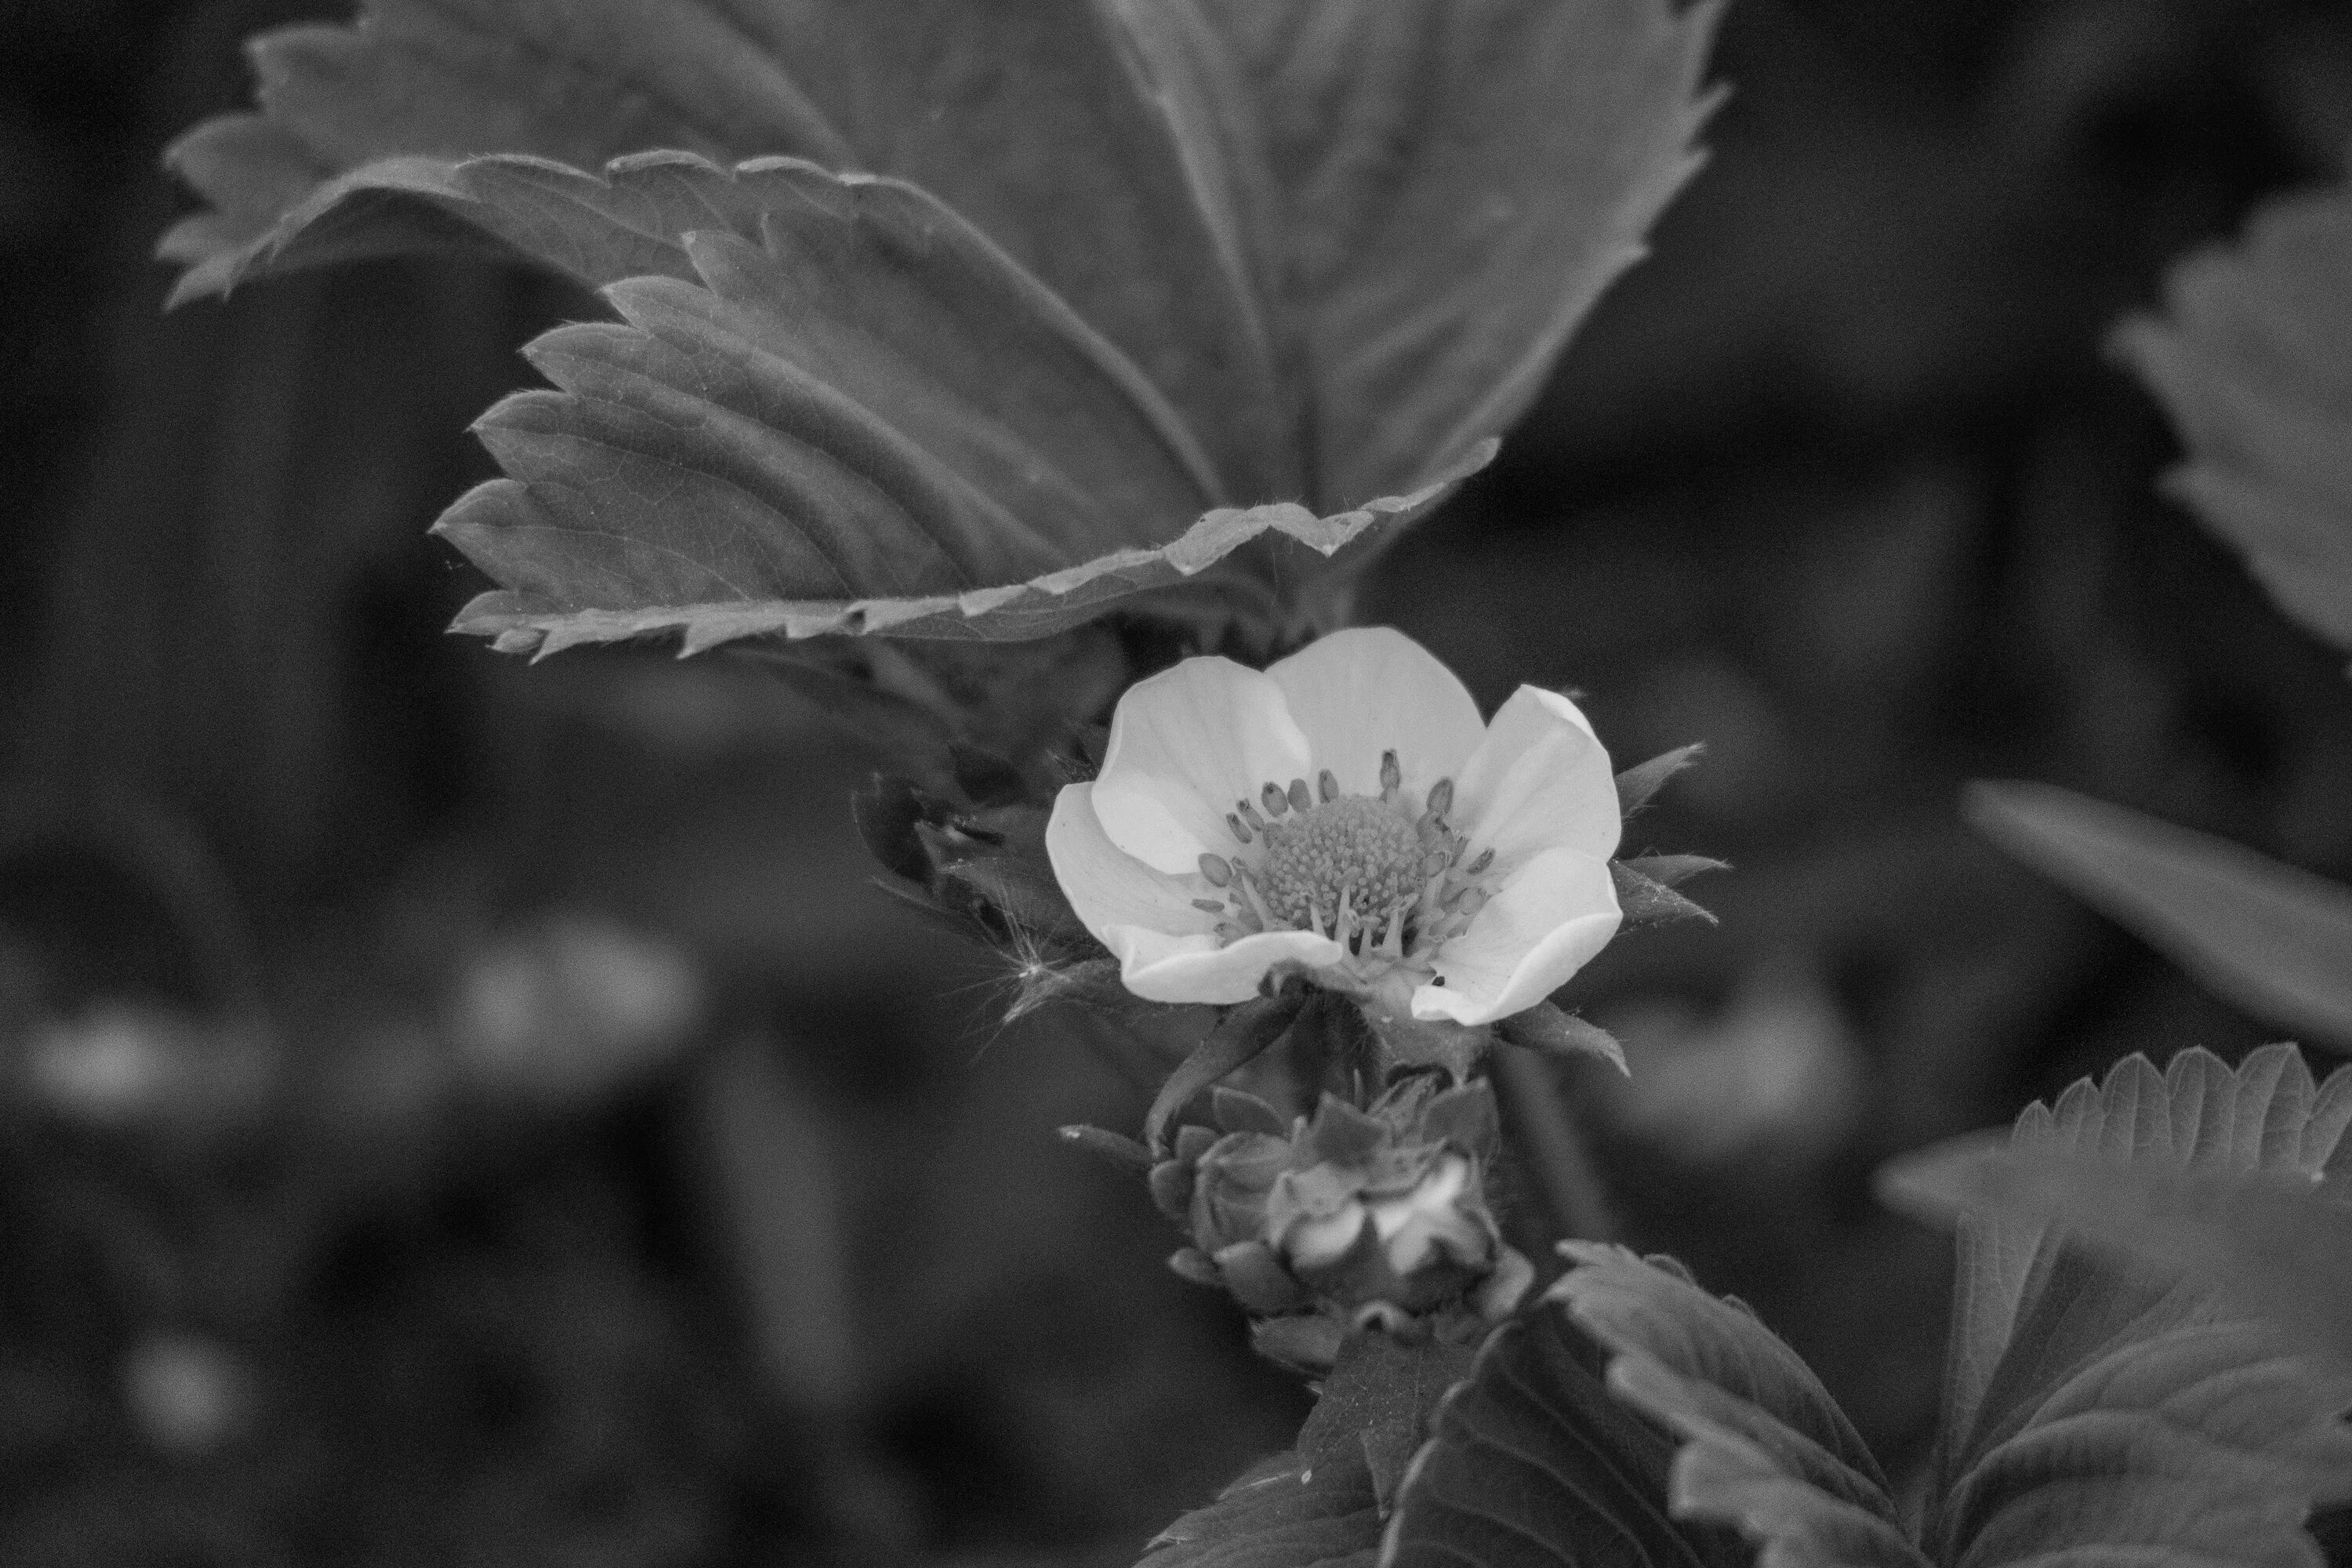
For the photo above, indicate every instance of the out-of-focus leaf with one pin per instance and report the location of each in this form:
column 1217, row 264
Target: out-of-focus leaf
column 2104, row 1408
column 1459, row 180
column 2274, row 940
column 1533, row 1463
column 2253, row 357
column 1321, row 1503
column 1765, row 1448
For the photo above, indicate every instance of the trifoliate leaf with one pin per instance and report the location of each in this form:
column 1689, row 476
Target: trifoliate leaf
column 2105, row 1409
column 1532, row 1463
column 2275, row 941
column 2278, row 1249
column 1215, row 257
column 1764, row 1446
column 2253, row 357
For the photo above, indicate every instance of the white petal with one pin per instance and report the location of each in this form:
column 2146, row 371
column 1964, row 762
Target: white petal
column 1168, row 950
column 1194, row 968
column 1540, row 781
column 1548, row 921
column 1109, row 889
column 1358, row 693
column 1185, row 746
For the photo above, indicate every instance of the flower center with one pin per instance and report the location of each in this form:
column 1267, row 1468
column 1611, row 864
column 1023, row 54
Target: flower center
column 1361, row 870
column 1356, row 852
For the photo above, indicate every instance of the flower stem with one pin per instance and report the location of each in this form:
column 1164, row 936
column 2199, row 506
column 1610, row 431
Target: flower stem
column 1550, row 1147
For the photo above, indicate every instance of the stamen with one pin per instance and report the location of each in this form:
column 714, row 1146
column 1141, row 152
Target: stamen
column 1327, row 785
column 1228, row 932
column 1471, row 903
column 1441, row 797
column 1210, row 906
column 1431, row 864
column 1392, row 942
column 1256, row 899
column 1218, row 869
column 1299, row 799
column 1343, row 922
column 1250, row 816
column 1392, row 775
column 1276, row 803
column 1486, row 858
column 1241, row 829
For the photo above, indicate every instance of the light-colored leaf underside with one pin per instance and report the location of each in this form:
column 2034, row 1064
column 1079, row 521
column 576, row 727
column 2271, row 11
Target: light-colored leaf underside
column 2253, row 358
column 969, row 317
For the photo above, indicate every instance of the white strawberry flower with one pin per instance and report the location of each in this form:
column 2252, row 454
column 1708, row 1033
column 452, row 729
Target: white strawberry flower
column 1345, row 813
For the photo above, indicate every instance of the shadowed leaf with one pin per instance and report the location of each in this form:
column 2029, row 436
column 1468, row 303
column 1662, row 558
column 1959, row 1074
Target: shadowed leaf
column 1321, row 1504
column 1764, row 1447
column 1532, row 1463
column 2275, row 941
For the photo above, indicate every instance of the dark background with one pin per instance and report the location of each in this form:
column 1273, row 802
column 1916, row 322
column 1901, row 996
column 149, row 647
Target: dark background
column 459, row 1111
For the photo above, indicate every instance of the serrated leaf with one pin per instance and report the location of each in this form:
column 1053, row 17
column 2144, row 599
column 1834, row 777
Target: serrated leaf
column 1320, row 1505
column 2250, row 357
column 2278, row 1249
column 2272, row 940
column 1319, row 251
column 1458, row 182
column 2100, row 1407
column 1532, row 1463
column 1764, row 1447
column 1023, row 118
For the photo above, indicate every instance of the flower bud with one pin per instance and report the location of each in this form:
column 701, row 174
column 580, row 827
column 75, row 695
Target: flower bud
column 1367, row 1217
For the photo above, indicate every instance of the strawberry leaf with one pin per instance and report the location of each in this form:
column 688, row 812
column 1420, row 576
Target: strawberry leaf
column 2251, row 358
column 1764, row 1447
column 1096, row 288
column 2100, row 1407
column 1533, row 1464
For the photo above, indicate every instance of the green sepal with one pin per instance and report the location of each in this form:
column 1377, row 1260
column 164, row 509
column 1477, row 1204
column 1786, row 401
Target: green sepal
column 1553, row 1031
column 1121, row 1151
column 1637, row 785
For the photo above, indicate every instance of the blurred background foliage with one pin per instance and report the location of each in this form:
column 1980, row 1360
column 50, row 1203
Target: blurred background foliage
column 459, row 1111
